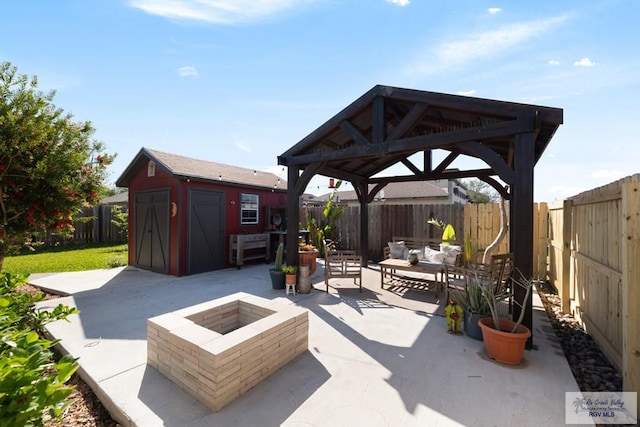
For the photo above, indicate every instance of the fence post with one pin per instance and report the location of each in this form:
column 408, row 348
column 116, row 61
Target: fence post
column 630, row 284
column 542, row 239
column 567, row 247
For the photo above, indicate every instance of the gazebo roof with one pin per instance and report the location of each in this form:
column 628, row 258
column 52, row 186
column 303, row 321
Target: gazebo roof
column 387, row 125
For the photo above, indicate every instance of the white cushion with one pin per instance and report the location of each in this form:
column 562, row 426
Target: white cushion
column 451, row 253
column 431, row 255
column 398, row 250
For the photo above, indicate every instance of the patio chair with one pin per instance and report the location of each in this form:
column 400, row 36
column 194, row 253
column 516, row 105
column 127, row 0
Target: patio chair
column 342, row 264
column 499, row 271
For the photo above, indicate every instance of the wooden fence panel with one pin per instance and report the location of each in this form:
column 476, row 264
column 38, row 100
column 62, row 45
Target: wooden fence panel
column 481, row 227
column 387, row 221
column 630, row 295
column 590, row 236
column 92, row 225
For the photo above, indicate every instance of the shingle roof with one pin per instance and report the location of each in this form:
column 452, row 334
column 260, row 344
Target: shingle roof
column 188, row 167
column 116, row 199
column 397, row 190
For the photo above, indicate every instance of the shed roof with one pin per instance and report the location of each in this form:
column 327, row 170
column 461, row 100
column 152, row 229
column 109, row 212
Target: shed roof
column 197, row 169
column 396, row 190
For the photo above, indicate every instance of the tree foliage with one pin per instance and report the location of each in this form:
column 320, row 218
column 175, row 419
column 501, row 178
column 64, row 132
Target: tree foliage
column 480, row 192
column 50, row 166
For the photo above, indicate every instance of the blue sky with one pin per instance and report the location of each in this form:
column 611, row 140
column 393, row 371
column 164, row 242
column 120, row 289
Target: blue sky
column 241, row 81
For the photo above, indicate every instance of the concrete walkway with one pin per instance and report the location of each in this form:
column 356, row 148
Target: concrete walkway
column 375, row 359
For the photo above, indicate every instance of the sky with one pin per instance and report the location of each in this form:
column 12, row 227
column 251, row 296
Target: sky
column 241, row 81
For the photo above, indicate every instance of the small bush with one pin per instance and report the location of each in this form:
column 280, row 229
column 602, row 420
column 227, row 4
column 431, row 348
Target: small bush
column 116, row 261
column 32, row 383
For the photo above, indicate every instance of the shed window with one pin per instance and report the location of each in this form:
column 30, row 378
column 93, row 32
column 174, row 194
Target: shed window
column 248, row 208
column 151, row 168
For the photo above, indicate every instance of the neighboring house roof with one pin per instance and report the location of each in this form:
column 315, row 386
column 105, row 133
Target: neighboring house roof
column 396, row 190
column 187, row 167
column 116, row 199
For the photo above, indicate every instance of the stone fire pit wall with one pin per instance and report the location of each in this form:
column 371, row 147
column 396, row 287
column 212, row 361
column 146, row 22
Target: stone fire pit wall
column 219, row 350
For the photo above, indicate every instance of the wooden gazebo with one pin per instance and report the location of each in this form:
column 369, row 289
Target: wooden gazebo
column 388, row 126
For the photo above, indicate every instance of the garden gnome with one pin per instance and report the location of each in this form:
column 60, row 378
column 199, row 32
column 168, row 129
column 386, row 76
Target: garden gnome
column 453, row 314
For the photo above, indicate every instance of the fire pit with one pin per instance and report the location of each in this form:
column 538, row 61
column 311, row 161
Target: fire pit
column 219, row 350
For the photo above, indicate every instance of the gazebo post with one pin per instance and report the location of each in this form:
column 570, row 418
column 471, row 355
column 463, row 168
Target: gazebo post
column 364, row 227
column 522, row 223
column 293, row 214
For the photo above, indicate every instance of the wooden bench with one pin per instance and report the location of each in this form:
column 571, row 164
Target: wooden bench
column 342, row 264
column 392, row 270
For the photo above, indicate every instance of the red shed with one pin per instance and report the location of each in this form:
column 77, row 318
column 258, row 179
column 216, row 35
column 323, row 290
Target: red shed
column 183, row 212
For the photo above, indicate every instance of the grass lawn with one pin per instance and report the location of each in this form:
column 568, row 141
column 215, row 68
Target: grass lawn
column 67, row 258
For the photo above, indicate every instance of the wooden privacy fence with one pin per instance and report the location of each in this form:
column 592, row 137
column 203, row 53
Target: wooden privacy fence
column 594, row 254
column 479, row 222
column 93, row 225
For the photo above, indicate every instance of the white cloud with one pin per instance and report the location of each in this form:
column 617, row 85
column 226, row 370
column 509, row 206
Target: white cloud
column 584, row 62
column 484, row 45
column 187, row 72
column 214, row 11
column 554, row 62
column 399, row 2
column 467, row 92
column 494, row 10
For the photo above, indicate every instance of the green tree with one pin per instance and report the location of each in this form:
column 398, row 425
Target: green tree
column 50, row 166
column 120, row 219
column 480, row 192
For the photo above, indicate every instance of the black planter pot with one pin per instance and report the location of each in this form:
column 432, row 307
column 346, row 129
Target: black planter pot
column 470, row 323
column 277, row 279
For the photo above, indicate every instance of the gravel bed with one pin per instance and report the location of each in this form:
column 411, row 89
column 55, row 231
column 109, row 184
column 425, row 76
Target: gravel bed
column 590, row 367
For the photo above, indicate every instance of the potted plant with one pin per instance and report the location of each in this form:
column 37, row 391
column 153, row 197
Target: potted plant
column 276, row 273
column 473, row 302
column 307, row 255
column 290, row 274
column 503, row 338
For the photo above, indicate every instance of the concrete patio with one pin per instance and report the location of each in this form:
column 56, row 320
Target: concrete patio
column 380, row 358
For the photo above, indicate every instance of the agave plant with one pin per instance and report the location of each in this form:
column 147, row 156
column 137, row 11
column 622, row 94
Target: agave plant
column 471, row 298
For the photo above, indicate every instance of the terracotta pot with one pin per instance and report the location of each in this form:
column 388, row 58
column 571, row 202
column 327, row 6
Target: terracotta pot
column 504, row 347
column 290, row 279
column 308, row 258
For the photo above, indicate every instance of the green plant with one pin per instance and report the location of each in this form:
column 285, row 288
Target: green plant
column 279, row 256
column 494, row 297
column 116, row 261
column 471, row 299
column 328, row 230
column 290, row 269
column 120, row 219
column 331, row 213
column 468, row 251
column 32, row 384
